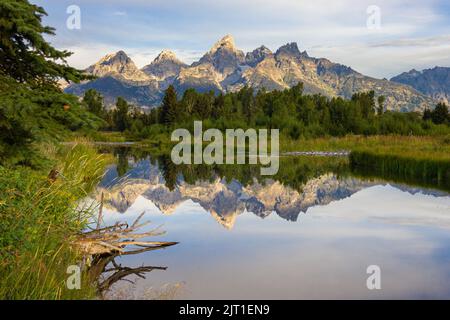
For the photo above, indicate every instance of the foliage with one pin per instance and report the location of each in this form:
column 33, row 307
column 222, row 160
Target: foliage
column 297, row 115
column 94, row 102
column 398, row 167
column 32, row 116
column 120, row 115
column 39, row 218
column 25, row 55
column 440, row 115
column 38, row 214
column 32, row 107
column 169, row 107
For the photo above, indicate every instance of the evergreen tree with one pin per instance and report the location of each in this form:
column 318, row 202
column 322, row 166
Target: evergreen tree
column 121, row 116
column 169, row 108
column 94, row 102
column 366, row 102
column 440, row 113
column 32, row 107
column 381, row 100
column 25, row 55
column 189, row 100
column 219, row 104
column 245, row 95
column 204, row 105
column 427, row 115
column 297, row 91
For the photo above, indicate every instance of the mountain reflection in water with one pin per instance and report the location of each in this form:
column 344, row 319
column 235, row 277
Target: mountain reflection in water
column 344, row 224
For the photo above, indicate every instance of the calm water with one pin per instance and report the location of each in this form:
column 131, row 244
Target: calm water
column 309, row 232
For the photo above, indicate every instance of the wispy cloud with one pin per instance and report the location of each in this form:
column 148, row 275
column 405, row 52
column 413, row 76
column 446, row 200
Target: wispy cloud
column 443, row 40
column 332, row 29
column 119, row 13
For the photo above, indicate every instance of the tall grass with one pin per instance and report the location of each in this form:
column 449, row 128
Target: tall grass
column 429, row 171
column 38, row 220
column 424, row 147
column 422, row 160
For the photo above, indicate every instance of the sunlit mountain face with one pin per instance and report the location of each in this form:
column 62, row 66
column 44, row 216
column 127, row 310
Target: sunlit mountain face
column 225, row 68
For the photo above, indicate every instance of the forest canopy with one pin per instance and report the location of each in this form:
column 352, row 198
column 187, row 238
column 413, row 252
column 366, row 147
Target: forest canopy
column 294, row 113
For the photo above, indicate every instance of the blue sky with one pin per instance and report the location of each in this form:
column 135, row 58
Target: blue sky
column 412, row 33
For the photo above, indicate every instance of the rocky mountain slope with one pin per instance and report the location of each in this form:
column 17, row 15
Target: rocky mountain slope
column 165, row 67
column 433, row 82
column 226, row 68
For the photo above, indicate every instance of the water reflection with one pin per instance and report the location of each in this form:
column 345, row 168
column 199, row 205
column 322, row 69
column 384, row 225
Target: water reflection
column 224, row 196
column 344, row 224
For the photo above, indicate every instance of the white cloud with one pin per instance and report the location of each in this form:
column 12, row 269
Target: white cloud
column 119, row 13
column 332, row 29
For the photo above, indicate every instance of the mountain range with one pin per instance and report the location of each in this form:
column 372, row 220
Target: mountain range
column 433, row 82
column 224, row 68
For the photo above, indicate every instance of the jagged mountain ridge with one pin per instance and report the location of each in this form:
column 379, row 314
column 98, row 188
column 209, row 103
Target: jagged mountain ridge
column 433, row 82
column 118, row 65
column 225, row 68
column 165, row 68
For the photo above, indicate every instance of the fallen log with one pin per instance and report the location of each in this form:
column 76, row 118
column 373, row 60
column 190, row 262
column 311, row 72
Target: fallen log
column 101, row 246
column 116, row 239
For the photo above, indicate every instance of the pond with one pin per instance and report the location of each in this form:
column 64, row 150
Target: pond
column 313, row 231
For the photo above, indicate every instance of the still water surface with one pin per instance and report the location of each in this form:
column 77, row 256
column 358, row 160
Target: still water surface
column 242, row 237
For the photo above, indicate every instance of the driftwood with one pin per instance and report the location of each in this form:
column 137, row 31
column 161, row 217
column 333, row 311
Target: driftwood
column 112, row 240
column 107, row 276
column 103, row 245
column 100, row 211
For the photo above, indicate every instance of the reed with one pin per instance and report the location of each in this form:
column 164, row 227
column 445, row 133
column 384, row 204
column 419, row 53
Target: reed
column 40, row 215
column 427, row 171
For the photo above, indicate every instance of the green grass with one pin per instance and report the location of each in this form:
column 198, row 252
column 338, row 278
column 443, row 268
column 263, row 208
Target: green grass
column 414, row 146
column 417, row 160
column 39, row 219
column 431, row 171
column 412, row 159
column 109, row 136
column 410, row 146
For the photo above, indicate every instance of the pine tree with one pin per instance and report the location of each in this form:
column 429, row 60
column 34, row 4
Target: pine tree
column 246, row 96
column 32, row 106
column 427, row 115
column 25, row 55
column 121, row 117
column 440, row 113
column 381, row 100
column 169, row 108
column 366, row 101
column 189, row 100
column 203, row 107
column 219, row 103
column 94, row 102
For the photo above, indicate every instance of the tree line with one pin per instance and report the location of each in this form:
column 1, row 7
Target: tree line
column 293, row 112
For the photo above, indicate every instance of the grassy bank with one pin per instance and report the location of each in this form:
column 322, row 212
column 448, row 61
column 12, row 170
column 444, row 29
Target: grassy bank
column 39, row 218
column 423, row 160
column 432, row 172
column 418, row 146
column 422, row 147
column 409, row 159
